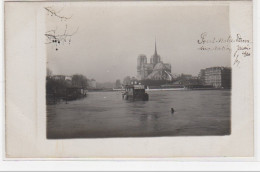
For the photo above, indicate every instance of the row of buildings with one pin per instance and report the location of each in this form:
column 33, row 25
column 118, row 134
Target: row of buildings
column 218, row 77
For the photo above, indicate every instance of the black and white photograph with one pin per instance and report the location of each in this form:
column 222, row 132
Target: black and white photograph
column 138, row 70
column 129, row 80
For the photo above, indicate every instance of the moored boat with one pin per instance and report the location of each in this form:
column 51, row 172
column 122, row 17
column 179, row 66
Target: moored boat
column 135, row 92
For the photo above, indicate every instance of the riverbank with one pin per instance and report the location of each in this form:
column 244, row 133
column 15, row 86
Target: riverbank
column 159, row 89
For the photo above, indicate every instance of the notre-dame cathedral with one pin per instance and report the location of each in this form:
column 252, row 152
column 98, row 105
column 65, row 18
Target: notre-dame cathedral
column 155, row 70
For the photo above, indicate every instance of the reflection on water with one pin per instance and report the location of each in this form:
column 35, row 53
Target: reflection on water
column 105, row 114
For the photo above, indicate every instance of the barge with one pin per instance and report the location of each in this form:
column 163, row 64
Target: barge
column 135, row 92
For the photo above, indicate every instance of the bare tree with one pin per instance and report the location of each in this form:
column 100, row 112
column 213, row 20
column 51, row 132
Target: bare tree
column 55, row 38
column 52, row 12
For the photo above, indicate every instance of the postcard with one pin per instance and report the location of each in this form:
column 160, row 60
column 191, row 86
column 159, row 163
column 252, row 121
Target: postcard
column 128, row 79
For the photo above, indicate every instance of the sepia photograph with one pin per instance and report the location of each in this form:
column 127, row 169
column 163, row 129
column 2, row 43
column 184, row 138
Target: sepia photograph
column 129, row 80
column 138, row 70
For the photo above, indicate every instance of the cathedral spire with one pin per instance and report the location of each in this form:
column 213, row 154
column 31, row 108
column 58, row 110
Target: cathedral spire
column 155, row 50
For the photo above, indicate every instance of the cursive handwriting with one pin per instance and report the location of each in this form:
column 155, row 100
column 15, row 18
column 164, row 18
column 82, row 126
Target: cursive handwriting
column 215, row 48
column 242, row 51
column 241, row 46
column 204, row 39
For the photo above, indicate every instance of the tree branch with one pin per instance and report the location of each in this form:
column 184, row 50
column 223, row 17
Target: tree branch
column 51, row 11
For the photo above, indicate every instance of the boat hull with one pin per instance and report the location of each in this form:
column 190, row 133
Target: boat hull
column 144, row 97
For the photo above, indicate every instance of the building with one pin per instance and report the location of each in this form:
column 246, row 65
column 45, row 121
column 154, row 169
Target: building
column 186, row 76
column 118, row 84
column 186, row 80
column 155, row 70
column 58, row 77
column 68, row 78
column 201, row 76
column 62, row 77
column 92, row 84
column 218, row 77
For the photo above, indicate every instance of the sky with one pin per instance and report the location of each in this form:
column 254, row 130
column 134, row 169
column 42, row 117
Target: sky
column 110, row 37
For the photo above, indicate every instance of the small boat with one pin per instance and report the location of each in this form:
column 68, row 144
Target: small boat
column 135, row 92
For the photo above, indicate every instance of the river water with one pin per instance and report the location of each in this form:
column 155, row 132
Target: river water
column 105, row 114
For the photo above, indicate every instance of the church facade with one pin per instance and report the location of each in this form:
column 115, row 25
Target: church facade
column 155, row 70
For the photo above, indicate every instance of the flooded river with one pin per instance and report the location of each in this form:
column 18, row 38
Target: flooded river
column 105, row 114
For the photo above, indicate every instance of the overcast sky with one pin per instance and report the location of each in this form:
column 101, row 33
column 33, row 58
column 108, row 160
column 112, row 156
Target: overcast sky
column 112, row 35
